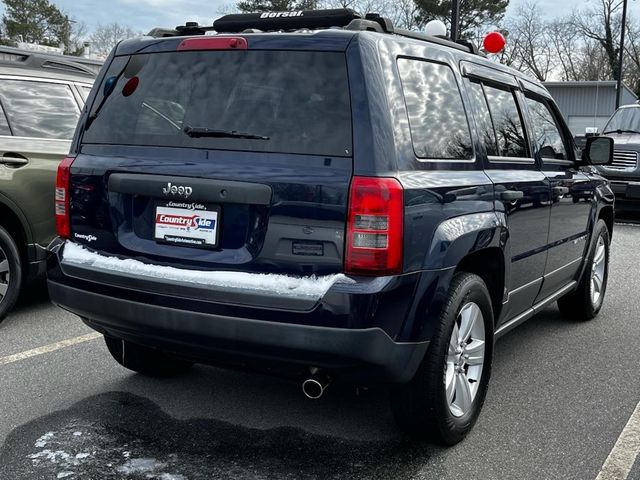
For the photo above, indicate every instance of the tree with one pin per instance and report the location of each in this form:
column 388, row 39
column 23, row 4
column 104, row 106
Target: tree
column 403, row 13
column 35, row 21
column 474, row 14
column 601, row 24
column 529, row 42
column 105, row 37
column 249, row 6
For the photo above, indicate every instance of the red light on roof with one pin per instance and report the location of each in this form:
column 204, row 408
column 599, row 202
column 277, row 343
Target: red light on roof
column 494, row 42
column 214, row 43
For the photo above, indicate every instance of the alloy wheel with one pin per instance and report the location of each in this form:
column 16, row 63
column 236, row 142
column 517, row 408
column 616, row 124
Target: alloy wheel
column 4, row 274
column 465, row 359
column 598, row 269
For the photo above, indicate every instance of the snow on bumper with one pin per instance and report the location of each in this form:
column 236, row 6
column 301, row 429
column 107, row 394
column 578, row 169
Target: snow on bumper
column 297, row 287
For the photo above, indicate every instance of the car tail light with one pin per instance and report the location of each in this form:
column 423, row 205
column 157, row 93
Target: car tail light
column 213, row 43
column 63, row 214
column 374, row 227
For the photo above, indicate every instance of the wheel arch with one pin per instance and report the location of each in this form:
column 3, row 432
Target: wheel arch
column 489, row 265
column 607, row 215
column 15, row 223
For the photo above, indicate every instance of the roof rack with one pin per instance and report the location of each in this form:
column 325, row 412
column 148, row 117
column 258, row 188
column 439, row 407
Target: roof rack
column 28, row 59
column 292, row 21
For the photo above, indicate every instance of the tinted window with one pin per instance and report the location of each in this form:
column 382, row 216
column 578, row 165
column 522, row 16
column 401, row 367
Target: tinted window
column 507, row 123
column 4, row 126
column 624, row 119
column 84, row 91
column 38, row 109
column 545, row 131
column 483, row 119
column 437, row 119
column 299, row 100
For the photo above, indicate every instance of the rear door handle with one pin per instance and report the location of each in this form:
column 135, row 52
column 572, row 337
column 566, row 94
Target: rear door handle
column 13, row 160
column 512, row 195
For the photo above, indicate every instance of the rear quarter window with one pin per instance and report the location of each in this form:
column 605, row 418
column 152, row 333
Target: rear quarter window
column 437, row 119
column 39, row 109
column 298, row 100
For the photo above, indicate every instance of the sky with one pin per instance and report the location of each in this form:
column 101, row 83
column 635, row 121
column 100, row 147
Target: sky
column 143, row 15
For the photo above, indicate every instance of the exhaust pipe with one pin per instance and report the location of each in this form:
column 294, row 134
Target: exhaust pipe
column 314, row 386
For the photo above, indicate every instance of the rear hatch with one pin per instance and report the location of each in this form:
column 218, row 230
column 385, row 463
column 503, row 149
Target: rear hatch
column 222, row 160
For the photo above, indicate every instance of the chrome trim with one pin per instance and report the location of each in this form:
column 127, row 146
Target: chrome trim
column 564, row 266
column 527, row 314
column 519, row 160
column 623, row 161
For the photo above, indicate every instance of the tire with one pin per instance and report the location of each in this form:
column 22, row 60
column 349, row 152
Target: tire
column 583, row 304
column 10, row 273
column 422, row 407
column 144, row 360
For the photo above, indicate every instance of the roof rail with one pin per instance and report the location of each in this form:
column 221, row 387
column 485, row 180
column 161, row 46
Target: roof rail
column 345, row 18
column 28, row 59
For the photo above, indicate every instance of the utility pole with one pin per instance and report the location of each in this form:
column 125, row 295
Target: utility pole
column 455, row 19
column 623, row 29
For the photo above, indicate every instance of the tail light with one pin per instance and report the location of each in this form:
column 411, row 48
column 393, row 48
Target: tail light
column 63, row 214
column 374, row 227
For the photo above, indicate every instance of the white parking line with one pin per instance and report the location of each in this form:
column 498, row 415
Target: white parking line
column 48, row 348
column 621, row 459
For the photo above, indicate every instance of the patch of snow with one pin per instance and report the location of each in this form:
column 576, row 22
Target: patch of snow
column 52, row 456
column 80, row 456
column 44, row 439
column 171, row 476
column 302, row 287
column 77, row 434
column 140, row 466
column 65, row 474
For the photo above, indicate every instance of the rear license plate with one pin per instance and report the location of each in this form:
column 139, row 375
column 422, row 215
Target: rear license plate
column 633, row 190
column 187, row 225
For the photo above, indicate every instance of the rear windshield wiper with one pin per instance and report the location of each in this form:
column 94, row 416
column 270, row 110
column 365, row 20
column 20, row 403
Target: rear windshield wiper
column 198, row 132
column 621, row 131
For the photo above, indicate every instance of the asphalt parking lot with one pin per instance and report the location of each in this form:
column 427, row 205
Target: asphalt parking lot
column 560, row 396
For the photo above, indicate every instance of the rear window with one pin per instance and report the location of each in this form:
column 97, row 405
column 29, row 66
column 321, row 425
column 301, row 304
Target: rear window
column 295, row 102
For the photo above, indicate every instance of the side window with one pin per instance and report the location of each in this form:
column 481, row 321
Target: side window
column 507, row 123
column 546, row 133
column 39, row 109
column 437, row 119
column 4, row 125
column 483, row 119
column 84, row 91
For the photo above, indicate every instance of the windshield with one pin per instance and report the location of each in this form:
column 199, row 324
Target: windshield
column 266, row 101
column 625, row 119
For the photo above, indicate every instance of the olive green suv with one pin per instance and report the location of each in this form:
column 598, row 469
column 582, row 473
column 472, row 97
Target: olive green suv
column 40, row 101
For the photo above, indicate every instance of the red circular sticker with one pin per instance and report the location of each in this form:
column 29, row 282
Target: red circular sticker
column 131, row 86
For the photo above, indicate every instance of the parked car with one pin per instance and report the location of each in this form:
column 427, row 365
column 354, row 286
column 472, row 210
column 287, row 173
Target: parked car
column 354, row 203
column 40, row 101
column 624, row 172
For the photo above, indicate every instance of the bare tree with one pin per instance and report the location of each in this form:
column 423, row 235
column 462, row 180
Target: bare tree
column 529, row 43
column 601, row 23
column 105, row 37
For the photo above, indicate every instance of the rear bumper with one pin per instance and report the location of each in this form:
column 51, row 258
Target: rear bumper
column 353, row 331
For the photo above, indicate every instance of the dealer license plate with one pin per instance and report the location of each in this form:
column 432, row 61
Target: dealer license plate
column 187, row 225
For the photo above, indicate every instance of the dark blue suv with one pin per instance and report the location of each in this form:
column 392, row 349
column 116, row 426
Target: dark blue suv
column 337, row 200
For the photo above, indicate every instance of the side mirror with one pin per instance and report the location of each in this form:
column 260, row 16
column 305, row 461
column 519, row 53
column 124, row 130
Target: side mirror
column 598, row 151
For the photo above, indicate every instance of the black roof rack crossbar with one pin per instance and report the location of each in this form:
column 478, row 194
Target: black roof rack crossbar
column 285, row 21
